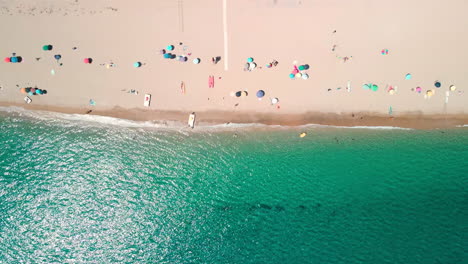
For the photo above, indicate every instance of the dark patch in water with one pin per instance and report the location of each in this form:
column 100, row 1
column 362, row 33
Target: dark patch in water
column 279, row 208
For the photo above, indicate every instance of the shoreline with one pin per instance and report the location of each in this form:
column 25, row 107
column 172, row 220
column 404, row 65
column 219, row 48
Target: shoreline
column 214, row 117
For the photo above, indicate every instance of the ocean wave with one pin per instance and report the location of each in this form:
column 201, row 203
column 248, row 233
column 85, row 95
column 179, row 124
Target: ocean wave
column 169, row 125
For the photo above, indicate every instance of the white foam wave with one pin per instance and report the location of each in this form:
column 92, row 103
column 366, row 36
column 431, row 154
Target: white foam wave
column 112, row 121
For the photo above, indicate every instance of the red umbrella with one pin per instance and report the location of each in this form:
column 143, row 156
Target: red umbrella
column 88, row 60
column 33, row 90
column 7, row 59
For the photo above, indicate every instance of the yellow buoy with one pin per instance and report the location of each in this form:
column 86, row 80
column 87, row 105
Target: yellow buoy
column 303, row 134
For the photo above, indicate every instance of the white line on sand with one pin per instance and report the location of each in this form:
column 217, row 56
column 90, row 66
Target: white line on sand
column 225, row 35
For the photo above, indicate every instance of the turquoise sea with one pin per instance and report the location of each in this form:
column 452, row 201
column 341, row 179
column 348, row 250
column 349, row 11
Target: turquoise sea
column 81, row 189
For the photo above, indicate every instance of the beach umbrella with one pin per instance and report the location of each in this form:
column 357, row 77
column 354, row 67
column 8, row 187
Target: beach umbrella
column 437, row 84
column 418, row 89
column 303, row 134
column 260, row 93
column 38, row 91
column 47, row 47
column 173, row 56
column 33, row 90
column 249, row 60
column 7, row 59
column 14, row 59
column 30, row 93
column 184, row 59
column 452, row 88
column 170, row 47
column 391, row 91
column 244, row 93
column 44, row 91
column 163, row 51
column 295, row 71
column 58, row 56
column 252, row 65
column 137, row 64
column 374, row 87
column 88, row 60
column 408, row 76
column 269, row 65
column 238, row 94
column 301, row 68
column 274, row 100
column 306, row 67
column 167, row 55
column 366, row 86
column 196, row 61
column 305, row 76
column 298, row 75
column 291, row 75
column 23, row 90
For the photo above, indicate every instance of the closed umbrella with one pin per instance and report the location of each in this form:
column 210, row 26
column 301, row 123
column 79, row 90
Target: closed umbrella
column 260, row 93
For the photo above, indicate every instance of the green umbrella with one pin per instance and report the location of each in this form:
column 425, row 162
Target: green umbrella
column 374, row 87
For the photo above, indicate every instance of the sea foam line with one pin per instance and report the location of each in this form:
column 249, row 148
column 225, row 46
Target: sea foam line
column 113, row 121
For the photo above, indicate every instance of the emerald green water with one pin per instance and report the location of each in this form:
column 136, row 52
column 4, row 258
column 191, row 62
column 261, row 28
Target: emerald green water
column 74, row 191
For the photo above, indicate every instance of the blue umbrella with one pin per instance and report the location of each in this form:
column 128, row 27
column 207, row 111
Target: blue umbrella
column 38, row 91
column 58, row 56
column 137, row 64
column 14, row 59
column 167, row 55
column 250, row 59
column 436, row 84
column 260, row 93
column 170, row 47
column 30, row 93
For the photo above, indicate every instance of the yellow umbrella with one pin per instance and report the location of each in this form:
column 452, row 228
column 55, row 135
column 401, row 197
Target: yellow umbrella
column 430, row 93
column 303, row 134
column 453, row 88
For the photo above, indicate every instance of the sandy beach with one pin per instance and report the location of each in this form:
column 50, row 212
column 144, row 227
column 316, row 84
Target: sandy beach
column 348, row 46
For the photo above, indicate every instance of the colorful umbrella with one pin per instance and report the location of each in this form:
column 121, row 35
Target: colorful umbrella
column 260, row 93
column 47, row 47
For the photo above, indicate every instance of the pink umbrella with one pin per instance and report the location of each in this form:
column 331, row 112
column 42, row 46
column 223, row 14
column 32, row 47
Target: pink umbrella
column 418, row 89
column 88, row 60
column 7, row 59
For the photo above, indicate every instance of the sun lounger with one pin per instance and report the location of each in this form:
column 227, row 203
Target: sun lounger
column 147, row 100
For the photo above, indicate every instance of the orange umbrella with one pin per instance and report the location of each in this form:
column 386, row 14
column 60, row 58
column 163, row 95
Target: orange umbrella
column 23, row 90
